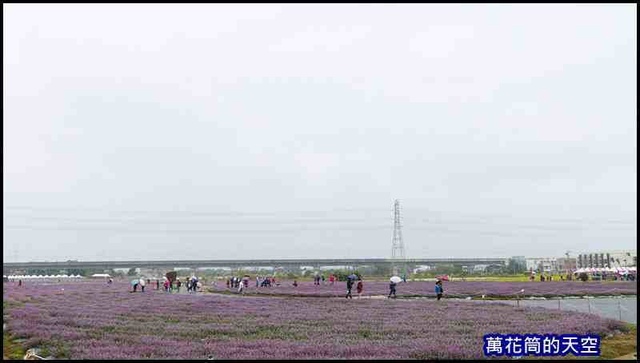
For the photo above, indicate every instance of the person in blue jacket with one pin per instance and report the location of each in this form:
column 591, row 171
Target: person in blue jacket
column 439, row 290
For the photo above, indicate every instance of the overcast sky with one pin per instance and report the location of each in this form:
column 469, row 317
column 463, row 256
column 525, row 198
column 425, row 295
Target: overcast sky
column 286, row 131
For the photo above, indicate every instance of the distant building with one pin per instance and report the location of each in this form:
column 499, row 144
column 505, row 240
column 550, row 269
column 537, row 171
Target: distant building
column 422, row 268
column 480, row 268
column 567, row 264
column 618, row 258
column 100, row 275
column 543, row 265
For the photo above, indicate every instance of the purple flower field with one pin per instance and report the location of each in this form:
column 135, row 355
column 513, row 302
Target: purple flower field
column 457, row 289
column 90, row 320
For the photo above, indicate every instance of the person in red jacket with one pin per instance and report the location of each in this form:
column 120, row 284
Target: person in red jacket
column 359, row 288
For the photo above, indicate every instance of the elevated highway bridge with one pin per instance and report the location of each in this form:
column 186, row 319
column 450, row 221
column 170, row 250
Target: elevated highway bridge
column 11, row 267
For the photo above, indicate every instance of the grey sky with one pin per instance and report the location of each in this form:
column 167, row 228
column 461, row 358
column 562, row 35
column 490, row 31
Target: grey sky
column 205, row 131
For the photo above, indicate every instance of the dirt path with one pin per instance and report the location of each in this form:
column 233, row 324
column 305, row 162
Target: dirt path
column 632, row 356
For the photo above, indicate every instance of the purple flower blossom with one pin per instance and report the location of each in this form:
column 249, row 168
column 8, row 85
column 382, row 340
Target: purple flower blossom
column 89, row 320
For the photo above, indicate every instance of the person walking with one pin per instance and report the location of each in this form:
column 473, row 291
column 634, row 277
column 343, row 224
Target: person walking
column 349, row 287
column 392, row 289
column 194, row 284
column 439, row 289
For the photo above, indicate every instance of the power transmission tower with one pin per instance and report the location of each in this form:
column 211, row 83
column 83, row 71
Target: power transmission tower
column 397, row 245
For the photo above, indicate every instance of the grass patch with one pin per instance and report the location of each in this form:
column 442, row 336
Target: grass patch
column 10, row 348
column 620, row 344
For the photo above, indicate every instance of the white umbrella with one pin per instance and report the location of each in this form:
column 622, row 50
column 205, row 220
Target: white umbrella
column 142, row 282
column 395, row 279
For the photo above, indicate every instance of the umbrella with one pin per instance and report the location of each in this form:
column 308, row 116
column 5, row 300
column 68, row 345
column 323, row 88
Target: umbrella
column 142, row 283
column 443, row 277
column 133, row 282
column 395, row 279
column 352, row 277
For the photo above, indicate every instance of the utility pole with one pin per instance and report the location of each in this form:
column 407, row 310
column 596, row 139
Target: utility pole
column 397, row 245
